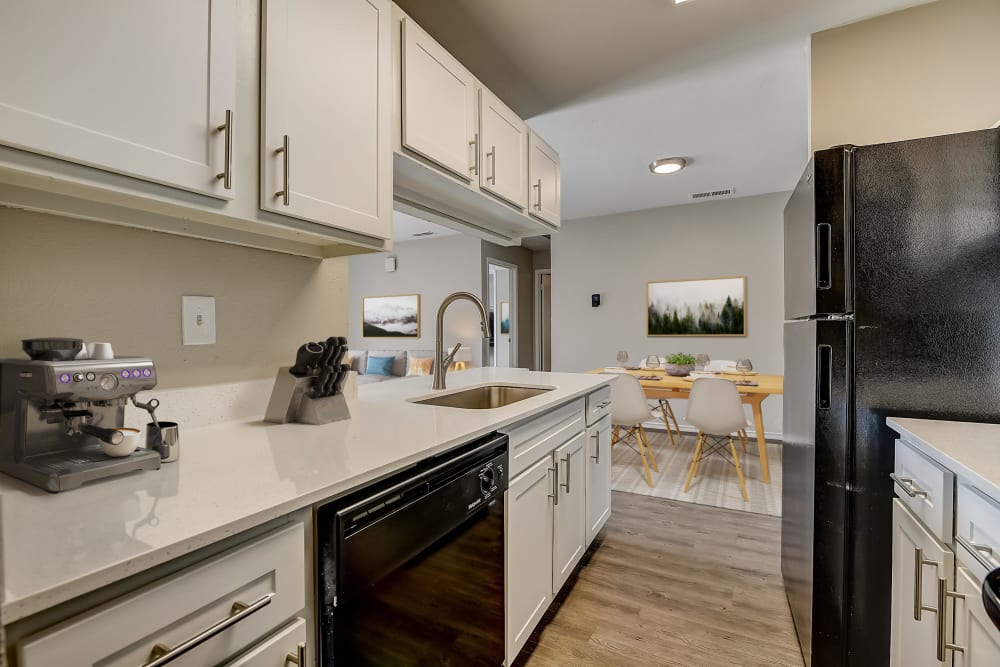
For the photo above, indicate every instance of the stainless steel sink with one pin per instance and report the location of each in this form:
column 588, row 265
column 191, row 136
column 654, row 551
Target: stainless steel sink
column 484, row 397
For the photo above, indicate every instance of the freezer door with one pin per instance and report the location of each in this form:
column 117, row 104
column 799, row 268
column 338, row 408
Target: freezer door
column 818, row 233
column 815, row 455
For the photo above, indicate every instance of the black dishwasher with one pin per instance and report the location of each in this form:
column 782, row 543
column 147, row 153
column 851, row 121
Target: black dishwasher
column 411, row 570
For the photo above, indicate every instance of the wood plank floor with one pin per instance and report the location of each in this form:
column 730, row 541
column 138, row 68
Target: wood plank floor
column 672, row 583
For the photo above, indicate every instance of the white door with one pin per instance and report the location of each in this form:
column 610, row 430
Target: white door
column 570, row 526
column 598, row 477
column 528, row 514
column 544, row 193
column 974, row 631
column 325, row 108
column 503, row 150
column 138, row 88
column 439, row 104
column 918, row 562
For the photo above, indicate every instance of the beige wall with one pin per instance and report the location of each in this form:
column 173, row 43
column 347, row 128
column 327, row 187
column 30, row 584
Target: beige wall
column 616, row 255
column 62, row 277
column 921, row 72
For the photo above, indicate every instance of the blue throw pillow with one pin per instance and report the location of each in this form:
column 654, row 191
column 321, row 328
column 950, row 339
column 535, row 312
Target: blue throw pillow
column 379, row 365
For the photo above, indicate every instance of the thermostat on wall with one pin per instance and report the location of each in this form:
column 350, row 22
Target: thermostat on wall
column 390, row 264
column 595, row 300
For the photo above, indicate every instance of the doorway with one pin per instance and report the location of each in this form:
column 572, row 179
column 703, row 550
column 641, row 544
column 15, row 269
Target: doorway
column 501, row 301
column 543, row 319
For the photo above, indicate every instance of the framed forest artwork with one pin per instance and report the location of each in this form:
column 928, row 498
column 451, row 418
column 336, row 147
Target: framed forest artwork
column 704, row 307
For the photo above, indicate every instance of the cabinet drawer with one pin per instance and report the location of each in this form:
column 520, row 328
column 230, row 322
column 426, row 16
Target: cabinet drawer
column 276, row 650
column 598, row 405
column 531, row 440
column 978, row 528
column 201, row 602
column 927, row 489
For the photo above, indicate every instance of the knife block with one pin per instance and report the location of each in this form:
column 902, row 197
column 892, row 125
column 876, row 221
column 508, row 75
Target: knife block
column 290, row 402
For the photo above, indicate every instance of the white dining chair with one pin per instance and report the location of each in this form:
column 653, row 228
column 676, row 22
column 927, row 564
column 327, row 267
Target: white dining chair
column 715, row 409
column 628, row 411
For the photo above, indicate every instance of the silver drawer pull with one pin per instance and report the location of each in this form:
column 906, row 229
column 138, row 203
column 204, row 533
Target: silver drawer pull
column 299, row 657
column 568, row 461
column 162, row 654
column 918, row 583
column 555, row 485
column 981, row 552
column 908, row 487
column 942, row 620
column 597, row 447
column 226, row 175
column 285, row 193
column 603, row 404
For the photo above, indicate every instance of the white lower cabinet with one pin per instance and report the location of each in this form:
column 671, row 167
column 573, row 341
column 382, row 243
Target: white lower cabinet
column 279, row 649
column 529, row 551
column 569, row 537
column 975, row 633
column 204, row 615
column 919, row 562
column 598, row 477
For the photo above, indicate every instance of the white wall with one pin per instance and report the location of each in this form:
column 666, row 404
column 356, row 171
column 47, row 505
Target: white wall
column 432, row 268
column 617, row 255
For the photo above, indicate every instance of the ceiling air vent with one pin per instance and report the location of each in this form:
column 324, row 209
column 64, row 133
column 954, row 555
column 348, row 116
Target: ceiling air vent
column 712, row 194
column 423, row 234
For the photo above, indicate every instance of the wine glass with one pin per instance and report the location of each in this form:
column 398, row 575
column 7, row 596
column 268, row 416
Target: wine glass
column 652, row 361
column 701, row 362
column 744, row 366
column 622, row 357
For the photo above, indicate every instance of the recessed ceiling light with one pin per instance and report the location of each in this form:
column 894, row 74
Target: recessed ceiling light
column 680, row 2
column 667, row 165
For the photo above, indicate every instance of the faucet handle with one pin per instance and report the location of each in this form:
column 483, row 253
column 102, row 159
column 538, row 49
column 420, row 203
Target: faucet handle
column 448, row 358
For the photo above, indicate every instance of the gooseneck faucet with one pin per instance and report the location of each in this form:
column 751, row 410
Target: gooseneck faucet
column 442, row 361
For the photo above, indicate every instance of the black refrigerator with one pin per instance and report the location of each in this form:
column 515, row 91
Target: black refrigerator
column 892, row 307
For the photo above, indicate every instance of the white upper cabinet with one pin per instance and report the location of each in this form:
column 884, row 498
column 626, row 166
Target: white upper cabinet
column 503, row 150
column 438, row 103
column 325, row 113
column 139, row 88
column 544, row 191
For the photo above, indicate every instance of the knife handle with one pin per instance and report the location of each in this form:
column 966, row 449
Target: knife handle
column 305, row 358
column 338, row 386
column 341, row 351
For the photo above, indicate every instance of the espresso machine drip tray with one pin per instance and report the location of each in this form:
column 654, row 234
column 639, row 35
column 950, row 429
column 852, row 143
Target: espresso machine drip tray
column 61, row 471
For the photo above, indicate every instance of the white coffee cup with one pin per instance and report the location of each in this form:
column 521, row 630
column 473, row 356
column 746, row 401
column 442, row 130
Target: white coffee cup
column 100, row 351
column 132, row 438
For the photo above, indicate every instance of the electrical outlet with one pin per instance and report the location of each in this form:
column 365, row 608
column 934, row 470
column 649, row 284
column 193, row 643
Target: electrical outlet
column 198, row 320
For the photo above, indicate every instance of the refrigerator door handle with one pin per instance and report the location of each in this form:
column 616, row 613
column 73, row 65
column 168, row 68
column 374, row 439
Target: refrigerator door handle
column 824, row 255
column 824, row 376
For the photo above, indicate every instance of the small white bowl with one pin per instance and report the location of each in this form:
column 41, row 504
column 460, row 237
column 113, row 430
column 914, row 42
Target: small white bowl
column 128, row 445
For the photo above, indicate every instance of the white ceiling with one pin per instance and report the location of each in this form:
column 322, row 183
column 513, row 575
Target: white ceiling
column 614, row 85
column 404, row 226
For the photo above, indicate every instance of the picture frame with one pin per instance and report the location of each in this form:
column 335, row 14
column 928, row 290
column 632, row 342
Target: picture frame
column 697, row 307
column 393, row 316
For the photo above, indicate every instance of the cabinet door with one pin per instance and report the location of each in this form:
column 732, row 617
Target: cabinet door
column 438, row 103
column 276, row 650
column 137, row 88
column 528, row 537
column 598, row 477
column 545, row 188
column 503, row 163
column 918, row 562
column 570, row 525
column 325, row 107
column 974, row 631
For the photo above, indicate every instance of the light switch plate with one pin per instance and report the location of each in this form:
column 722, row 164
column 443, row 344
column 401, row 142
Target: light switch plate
column 198, row 320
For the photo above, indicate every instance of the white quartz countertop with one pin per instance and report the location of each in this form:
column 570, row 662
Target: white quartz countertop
column 233, row 476
column 970, row 449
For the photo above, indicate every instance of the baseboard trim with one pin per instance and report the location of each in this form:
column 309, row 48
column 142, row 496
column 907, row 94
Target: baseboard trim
column 657, row 425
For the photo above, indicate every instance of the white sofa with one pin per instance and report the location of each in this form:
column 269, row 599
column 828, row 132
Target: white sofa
column 358, row 359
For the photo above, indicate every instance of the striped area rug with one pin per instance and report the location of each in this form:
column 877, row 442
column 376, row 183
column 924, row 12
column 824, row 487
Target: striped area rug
column 716, row 484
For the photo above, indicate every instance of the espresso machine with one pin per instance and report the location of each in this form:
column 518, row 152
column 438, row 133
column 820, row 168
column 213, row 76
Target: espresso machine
column 54, row 413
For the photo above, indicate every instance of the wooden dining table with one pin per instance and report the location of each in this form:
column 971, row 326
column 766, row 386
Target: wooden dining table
column 665, row 387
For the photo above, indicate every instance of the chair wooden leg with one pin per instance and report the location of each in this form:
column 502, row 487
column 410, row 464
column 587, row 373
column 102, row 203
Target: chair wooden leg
column 694, row 463
column 677, row 427
column 645, row 464
column 743, row 440
column 739, row 470
column 645, row 441
column 666, row 422
column 701, row 448
column 614, row 435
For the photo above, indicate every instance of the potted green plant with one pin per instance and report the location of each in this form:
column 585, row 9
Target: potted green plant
column 679, row 364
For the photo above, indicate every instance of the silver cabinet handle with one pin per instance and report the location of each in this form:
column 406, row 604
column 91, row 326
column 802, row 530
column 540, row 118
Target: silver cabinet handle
column 981, row 552
column 538, row 200
column 475, row 151
column 285, row 193
column 299, row 657
column 909, row 488
column 492, row 155
column 918, row 583
column 942, row 617
column 568, row 461
column 555, row 487
column 226, row 175
column 162, row 654
column 603, row 404
column 597, row 448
